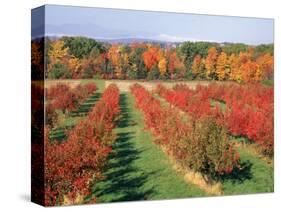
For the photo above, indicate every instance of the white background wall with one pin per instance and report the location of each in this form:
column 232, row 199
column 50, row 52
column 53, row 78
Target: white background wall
column 15, row 103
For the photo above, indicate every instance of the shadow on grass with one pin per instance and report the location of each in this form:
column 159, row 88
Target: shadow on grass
column 239, row 174
column 60, row 134
column 85, row 107
column 123, row 179
column 125, row 119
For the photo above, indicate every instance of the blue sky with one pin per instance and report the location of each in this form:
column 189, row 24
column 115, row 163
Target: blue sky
column 113, row 24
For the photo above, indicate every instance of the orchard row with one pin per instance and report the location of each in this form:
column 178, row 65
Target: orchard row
column 73, row 166
column 246, row 110
column 199, row 144
column 66, row 99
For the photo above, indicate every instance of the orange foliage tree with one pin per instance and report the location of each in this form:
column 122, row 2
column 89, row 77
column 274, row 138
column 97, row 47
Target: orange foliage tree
column 174, row 63
column 222, row 68
column 210, row 62
column 196, row 65
column 151, row 57
column 266, row 63
column 250, row 71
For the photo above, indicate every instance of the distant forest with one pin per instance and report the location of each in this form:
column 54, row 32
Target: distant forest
column 82, row 57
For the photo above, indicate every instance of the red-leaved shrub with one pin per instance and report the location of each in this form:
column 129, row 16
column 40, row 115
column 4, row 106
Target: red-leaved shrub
column 74, row 165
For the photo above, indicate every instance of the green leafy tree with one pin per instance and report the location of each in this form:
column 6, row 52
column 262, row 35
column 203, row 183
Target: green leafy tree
column 154, row 73
column 188, row 50
column 59, row 71
column 81, row 46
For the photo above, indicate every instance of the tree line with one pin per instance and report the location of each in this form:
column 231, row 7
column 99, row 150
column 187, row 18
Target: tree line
column 81, row 57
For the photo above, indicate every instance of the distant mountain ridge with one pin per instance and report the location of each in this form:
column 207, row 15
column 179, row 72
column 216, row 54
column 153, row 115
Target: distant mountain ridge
column 134, row 40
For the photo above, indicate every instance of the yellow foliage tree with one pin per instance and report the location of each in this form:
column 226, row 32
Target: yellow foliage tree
column 237, row 67
column 234, row 68
column 222, row 68
column 57, row 51
column 162, row 66
column 57, row 54
column 210, row 62
column 115, row 58
column 196, row 64
column 74, row 64
column 266, row 63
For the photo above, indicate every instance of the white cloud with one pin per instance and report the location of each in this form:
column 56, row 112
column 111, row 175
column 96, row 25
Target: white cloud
column 172, row 38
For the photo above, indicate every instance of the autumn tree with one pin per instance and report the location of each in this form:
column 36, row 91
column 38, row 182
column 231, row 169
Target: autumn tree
column 244, row 57
column 73, row 65
column 222, row 67
column 95, row 63
column 233, row 62
column 114, row 56
column 196, row 65
column 162, row 66
column 175, row 65
column 236, row 73
column 250, row 72
column 136, row 62
column 59, row 57
column 266, row 63
column 125, row 65
column 151, row 57
column 210, row 63
column 57, row 51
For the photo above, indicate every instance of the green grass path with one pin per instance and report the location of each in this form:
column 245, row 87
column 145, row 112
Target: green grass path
column 138, row 169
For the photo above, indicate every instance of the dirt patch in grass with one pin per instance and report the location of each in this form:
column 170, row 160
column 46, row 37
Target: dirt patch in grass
column 124, row 85
column 70, row 83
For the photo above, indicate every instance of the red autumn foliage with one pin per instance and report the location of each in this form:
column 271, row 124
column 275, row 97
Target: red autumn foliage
column 182, row 138
column 249, row 111
column 249, row 108
column 151, row 57
column 196, row 104
column 74, row 165
column 62, row 97
column 37, row 147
